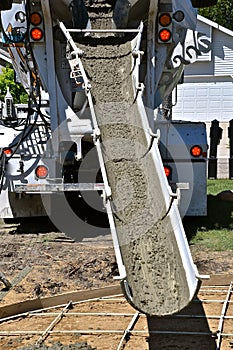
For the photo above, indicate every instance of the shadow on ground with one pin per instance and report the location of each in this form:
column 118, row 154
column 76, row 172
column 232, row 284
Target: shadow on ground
column 72, row 215
column 219, row 215
column 29, row 225
column 181, row 331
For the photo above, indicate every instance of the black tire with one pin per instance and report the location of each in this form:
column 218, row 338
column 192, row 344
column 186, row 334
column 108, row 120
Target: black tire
column 204, row 3
column 5, row 5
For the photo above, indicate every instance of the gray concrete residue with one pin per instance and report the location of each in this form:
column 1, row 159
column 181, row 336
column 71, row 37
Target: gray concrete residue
column 155, row 272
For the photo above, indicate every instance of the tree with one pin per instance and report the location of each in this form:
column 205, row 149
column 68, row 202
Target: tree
column 222, row 13
column 7, row 80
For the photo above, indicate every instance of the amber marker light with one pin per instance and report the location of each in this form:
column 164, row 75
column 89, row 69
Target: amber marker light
column 165, row 19
column 35, row 18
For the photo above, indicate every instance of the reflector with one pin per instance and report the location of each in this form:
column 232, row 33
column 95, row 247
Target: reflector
column 36, row 34
column 41, row 171
column 35, row 18
column 7, row 151
column 196, row 151
column 167, row 170
column 165, row 35
column 165, row 19
column 179, row 16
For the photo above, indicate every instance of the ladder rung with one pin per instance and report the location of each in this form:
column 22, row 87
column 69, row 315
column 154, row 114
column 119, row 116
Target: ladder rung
column 74, row 75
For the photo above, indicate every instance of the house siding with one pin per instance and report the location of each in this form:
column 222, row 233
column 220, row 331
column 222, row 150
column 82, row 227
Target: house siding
column 207, row 93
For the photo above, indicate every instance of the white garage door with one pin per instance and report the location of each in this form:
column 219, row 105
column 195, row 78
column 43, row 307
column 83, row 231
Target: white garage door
column 204, row 102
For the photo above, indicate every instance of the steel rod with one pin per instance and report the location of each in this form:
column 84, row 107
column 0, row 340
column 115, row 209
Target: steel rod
column 110, row 331
column 222, row 317
column 108, row 314
column 23, row 314
column 20, row 276
column 213, row 290
column 202, row 316
column 215, row 285
column 53, row 323
column 102, row 314
column 212, row 301
column 129, row 329
column 103, row 30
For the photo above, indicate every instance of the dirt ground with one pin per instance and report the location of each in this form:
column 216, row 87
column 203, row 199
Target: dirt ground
column 50, row 263
column 42, row 264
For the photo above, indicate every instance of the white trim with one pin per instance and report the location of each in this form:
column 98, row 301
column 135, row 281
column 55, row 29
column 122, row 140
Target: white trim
column 215, row 25
column 4, row 55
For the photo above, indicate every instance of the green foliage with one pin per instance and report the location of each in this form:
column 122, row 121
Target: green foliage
column 214, row 231
column 7, row 80
column 216, row 240
column 216, row 186
column 222, row 13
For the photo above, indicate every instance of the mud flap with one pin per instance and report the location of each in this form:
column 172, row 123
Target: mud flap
column 204, row 3
column 5, row 5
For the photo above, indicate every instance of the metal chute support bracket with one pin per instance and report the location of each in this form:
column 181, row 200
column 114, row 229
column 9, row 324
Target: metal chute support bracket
column 96, row 138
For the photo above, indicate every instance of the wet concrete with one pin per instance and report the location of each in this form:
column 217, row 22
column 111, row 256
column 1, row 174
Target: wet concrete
column 155, row 272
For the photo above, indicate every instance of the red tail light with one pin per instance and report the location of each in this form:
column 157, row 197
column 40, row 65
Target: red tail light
column 8, row 152
column 41, row 172
column 165, row 35
column 196, row 151
column 36, row 34
column 167, row 170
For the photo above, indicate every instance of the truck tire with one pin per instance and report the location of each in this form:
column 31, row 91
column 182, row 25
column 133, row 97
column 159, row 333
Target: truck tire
column 5, row 5
column 204, row 3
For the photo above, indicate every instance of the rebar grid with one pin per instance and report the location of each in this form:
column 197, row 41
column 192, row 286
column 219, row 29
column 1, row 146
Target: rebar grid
column 124, row 333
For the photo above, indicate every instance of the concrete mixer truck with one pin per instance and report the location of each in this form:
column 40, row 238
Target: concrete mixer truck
column 95, row 148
